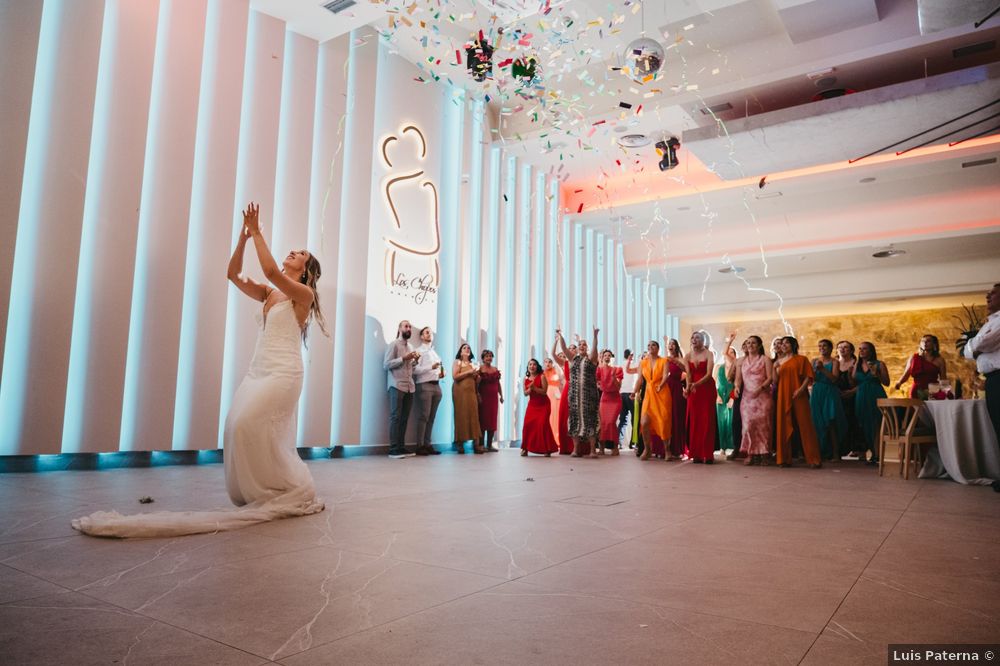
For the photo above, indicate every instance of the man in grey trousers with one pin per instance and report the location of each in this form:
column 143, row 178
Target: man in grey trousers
column 427, row 376
column 399, row 362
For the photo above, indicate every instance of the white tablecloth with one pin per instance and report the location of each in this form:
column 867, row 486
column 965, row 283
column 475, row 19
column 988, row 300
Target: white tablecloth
column 967, row 448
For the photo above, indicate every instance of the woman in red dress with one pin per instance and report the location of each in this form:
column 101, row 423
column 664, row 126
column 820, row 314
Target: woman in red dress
column 536, row 433
column 924, row 367
column 490, row 398
column 675, row 380
column 700, row 393
column 609, row 383
column 565, row 441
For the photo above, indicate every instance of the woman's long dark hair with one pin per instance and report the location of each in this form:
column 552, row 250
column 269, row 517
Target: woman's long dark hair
column 793, row 343
column 309, row 278
column 527, row 371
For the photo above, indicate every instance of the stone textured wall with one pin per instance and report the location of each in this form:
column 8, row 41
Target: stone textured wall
column 894, row 334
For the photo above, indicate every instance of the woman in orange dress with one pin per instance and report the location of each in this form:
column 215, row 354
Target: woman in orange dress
column 554, row 378
column 656, row 403
column 795, row 374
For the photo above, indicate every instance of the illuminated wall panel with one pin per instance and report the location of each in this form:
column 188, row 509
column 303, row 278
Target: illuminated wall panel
column 506, row 351
column 213, row 187
column 57, row 149
column 110, row 216
column 292, row 179
column 476, row 223
column 352, row 253
column 539, row 288
column 550, row 283
column 20, row 22
column 255, row 177
column 316, row 406
column 492, row 248
column 157, row 291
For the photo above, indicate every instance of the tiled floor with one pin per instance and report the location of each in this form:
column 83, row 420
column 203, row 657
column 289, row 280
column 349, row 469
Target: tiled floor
column 500, row 559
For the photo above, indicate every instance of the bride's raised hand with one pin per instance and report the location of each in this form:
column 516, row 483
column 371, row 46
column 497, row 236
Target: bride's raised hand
column 251, row 218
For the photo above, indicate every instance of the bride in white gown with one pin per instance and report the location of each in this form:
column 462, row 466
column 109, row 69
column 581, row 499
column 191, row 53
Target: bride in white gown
column 265, row 477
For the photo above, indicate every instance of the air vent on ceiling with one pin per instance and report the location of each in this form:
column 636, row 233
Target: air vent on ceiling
column 717, row 108
column 974, row 48
column 888, row 252
column 975, row 163
column 732, row 269
column 338, row 6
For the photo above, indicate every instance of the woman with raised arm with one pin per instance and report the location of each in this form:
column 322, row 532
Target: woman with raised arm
column 264, row 474
column 554, row 379
column 536, row 432
column 564, row 440
column 583, row 401
column 655, row 419
column 701, row 395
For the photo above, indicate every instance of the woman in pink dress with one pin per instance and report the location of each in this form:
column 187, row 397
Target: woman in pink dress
column 609, row 383
column 754, row 377
column 700, row 390
column 555, row 381
column 490, row 398
column 536, row 433
column 675, row 380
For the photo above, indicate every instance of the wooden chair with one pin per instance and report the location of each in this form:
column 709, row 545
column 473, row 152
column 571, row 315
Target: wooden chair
column 900, row 418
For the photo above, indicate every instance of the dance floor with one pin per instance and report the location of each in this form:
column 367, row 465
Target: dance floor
column 501, row 559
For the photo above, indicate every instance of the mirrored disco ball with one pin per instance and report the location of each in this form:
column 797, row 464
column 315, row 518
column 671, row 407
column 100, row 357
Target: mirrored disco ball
column 643, row 57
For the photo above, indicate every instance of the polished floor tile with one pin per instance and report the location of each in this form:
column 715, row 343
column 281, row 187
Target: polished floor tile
column 498, row 559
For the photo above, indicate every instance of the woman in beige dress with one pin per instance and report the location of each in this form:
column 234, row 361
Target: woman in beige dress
column 463, row 392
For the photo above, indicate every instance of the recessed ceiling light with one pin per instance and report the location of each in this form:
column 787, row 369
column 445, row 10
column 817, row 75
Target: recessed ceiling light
column 621, row 128
column 867, row 179
column 633, row 141
column 768, row 195
column 684, row 208
column 732, row 269
column 888, row 252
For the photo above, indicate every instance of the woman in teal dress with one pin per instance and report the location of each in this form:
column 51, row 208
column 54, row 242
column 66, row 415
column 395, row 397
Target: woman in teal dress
column 724, row 387
column 824, row 402
column 870, row 376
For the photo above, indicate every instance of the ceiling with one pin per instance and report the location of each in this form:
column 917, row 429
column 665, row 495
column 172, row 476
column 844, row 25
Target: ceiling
column 912, row 64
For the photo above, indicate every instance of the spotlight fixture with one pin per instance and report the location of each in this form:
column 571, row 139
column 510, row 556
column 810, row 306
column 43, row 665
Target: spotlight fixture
column 888, row 252
column 633, row 141
column 668, row 153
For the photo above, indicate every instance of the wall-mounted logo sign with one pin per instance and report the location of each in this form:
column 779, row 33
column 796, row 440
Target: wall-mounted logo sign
column 414, row 241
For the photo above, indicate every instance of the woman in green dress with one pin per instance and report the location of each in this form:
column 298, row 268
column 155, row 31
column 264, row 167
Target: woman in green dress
column 723, row 404
column 870, row 378
column 825, row 404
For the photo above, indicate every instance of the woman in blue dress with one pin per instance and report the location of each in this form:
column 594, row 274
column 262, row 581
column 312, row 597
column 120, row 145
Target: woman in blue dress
column 827, row 410
column 870, row 378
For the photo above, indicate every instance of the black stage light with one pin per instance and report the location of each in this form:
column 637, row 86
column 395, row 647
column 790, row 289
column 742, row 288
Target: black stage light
column 668, row 150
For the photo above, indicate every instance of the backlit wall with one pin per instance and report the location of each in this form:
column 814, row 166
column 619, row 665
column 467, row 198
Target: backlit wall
column 134, row 132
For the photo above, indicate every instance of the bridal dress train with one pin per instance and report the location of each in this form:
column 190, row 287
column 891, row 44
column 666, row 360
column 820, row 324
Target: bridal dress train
column 265, row 477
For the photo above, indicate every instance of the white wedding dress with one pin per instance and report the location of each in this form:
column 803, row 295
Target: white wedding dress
column 265, row 477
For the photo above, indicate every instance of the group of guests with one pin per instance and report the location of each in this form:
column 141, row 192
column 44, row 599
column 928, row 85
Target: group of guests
column 758, row 406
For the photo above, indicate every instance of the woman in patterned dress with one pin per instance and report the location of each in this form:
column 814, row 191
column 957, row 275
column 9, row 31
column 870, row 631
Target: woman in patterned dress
column 583, row 400
column 754, row 378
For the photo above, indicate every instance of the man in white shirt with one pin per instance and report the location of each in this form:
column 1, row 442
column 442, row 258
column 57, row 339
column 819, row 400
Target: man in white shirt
column 627, row 390
column 427, row 375
column 398, row 362
column 985, row 349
